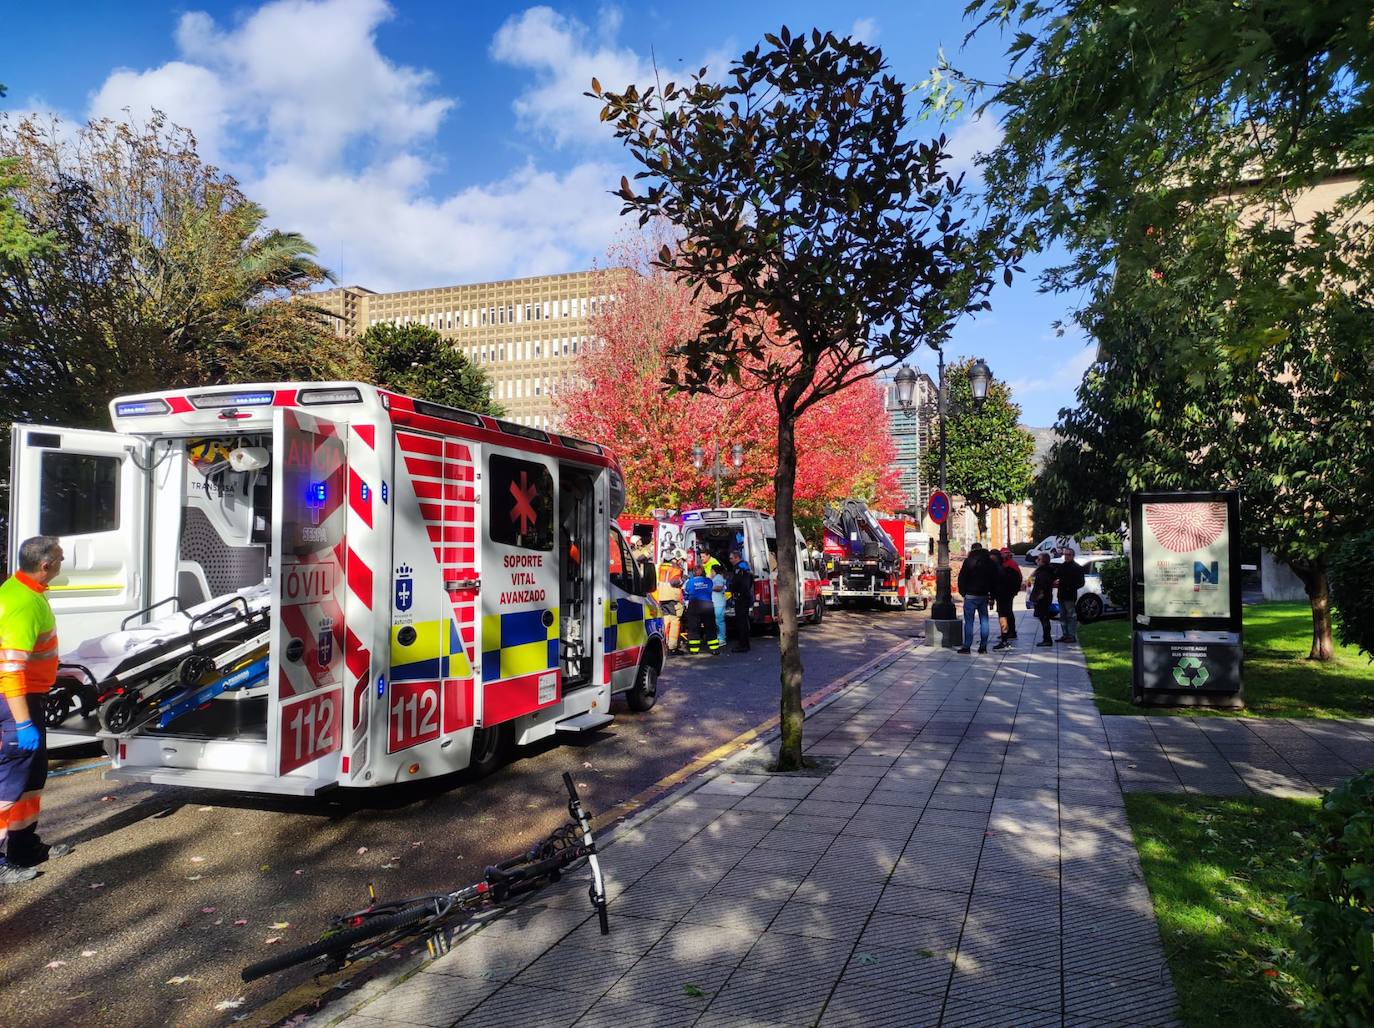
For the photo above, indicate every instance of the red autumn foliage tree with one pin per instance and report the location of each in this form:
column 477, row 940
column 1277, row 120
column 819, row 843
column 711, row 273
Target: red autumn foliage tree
column 843, row 444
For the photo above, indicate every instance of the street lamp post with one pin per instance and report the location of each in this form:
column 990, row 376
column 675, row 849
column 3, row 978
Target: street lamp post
column 980, row 377
column 716, row 469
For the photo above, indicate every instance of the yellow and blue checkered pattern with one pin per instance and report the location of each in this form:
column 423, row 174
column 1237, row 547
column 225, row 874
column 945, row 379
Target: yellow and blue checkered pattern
column 426, row 658
column 626, row 625
column 518, row 644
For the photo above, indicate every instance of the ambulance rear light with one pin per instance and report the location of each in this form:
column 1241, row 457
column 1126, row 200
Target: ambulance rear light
column 215, row 401
column 312, row 397
column 137, row 408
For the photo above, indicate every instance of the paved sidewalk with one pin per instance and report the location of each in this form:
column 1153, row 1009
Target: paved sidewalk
column 968, row 862
column 1228, row 756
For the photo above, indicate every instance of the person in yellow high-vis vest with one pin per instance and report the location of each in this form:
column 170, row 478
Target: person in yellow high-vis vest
column 28, row 668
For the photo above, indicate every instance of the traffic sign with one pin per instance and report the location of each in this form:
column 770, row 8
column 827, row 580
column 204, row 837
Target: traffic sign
column 938, row 508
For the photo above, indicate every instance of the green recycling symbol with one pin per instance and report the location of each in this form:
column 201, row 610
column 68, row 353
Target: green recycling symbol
column 1190, row 673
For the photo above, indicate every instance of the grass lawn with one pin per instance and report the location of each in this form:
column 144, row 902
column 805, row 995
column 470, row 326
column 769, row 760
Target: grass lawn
column 1278, row 680
column 1220, row 872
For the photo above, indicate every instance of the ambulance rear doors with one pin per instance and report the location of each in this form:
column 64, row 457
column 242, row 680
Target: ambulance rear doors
column 92, row 490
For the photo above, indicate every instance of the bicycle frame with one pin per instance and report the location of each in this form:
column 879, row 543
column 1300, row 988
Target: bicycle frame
column 357, row 935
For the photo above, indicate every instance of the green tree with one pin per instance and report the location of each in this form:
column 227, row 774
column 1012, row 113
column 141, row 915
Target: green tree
column 988, row 454
column 416, row 360
column 826, row 243
column 1207, row 168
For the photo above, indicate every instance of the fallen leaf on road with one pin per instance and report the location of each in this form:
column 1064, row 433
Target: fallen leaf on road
column 88, row 952
column 194, row 878
column 207, row 910
column 55, row 964
column 272, row 941
column 389, row 867
column 197, row 860
column 204, row 810
column 229, row 1004
column 181, row 979
column 581, row 785
column 926, row 952
column 416, row 845
column 96, row 885
column 264, row 867
column 219, row 920
column 240, row 923
column 362, row 850
column 107, row 799
column 299, row 871
column 278, row 926
column 866, row 958
column 588, row 764
column 692, row 990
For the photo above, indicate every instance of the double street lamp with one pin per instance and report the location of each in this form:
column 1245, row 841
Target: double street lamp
column 979, row 378
column 716, row 469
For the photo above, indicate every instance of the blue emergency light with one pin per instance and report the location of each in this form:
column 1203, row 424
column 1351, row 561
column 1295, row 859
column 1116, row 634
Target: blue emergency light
column 318, row 492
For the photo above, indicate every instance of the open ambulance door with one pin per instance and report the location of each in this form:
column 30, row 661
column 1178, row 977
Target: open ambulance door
column 522, row 550
column 309, row 568
column 91, row 489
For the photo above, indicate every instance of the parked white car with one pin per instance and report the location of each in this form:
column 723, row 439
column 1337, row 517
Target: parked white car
column 1093, row 601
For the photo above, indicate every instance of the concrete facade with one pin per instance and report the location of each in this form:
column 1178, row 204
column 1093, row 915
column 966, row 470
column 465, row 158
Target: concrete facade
column 525, row 333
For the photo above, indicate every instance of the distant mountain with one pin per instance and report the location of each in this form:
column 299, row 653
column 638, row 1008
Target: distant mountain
column 1044, row 439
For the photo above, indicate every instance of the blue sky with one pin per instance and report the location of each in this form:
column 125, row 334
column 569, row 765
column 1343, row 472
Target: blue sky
column 422, row 144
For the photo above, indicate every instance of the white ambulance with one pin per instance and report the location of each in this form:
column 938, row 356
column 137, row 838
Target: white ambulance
column 283, row 588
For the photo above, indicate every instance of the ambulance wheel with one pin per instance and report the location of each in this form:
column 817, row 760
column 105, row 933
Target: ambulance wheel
column 819, row 615
column 118, row 712
column 645, row 692
column 490, row 748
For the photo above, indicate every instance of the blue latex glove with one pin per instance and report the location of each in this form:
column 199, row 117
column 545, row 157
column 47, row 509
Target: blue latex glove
column 28, row 737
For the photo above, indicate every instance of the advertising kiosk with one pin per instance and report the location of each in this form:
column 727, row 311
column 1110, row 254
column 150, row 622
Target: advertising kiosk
column 1185, row 599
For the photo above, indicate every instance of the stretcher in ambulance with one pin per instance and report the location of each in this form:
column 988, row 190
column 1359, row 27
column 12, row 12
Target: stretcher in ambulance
column 288, row 587
column 719, row 530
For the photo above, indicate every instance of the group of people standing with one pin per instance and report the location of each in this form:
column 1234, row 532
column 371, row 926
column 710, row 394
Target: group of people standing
column 994, row 576
column 693, row 604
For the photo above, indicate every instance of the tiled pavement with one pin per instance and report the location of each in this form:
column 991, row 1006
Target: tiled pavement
column 968, row 862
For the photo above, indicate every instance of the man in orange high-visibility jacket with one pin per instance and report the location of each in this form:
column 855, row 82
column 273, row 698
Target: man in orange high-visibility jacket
column 28, row 668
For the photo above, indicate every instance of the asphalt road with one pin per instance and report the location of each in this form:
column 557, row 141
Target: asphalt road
column 171, row 891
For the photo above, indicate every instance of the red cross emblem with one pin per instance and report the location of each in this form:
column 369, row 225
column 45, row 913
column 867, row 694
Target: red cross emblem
column 523, row 510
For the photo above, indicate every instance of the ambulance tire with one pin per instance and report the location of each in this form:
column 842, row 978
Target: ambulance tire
column 490, row 749
column 645, row 692
column 819, row 615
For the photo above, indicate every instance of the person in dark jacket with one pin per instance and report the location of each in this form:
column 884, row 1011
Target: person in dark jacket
column 1070, row 581
column 742, row 595
column 700, row 622
column 977, row 585
column 1009, row 584
column 1042, row 595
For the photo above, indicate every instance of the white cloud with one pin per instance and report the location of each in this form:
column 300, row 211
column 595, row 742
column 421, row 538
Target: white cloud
column 1062, row 380
column 969, row 139
column 337, row 141
column 865, row 30
column 565, row 55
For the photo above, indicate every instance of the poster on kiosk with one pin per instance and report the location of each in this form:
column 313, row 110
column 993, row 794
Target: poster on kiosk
column 1185, row 599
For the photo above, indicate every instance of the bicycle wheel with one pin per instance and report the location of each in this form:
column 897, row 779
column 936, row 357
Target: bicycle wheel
column 338, row 944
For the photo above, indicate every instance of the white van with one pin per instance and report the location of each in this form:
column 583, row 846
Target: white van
column 1050, row 544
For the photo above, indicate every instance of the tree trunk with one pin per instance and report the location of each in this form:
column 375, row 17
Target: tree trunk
column 982, row 515
column 1318, row 588
column 789, row 643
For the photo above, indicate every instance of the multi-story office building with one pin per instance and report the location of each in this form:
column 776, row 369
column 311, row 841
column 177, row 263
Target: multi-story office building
column 912, row 433
column 525, row 333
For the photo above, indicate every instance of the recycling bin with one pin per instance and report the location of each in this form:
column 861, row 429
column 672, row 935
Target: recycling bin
column 1187, row 669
